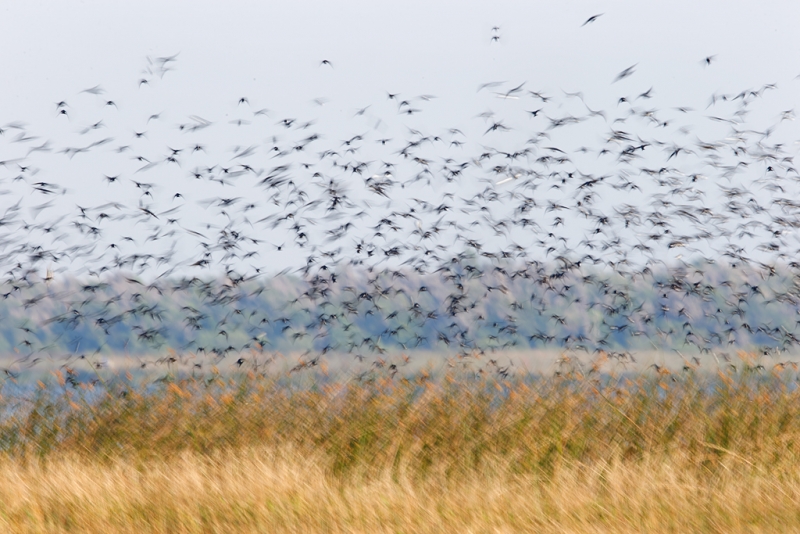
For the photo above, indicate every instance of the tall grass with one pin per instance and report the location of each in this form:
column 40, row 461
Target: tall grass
column 583, row 450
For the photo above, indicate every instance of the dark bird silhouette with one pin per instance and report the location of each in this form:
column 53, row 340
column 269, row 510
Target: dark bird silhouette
column 625, row 73
column 591, row 19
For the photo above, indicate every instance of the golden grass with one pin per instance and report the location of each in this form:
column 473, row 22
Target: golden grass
column 267, row 490
column 578, row 452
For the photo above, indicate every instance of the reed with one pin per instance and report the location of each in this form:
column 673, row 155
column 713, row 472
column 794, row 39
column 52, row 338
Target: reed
column 580, row 451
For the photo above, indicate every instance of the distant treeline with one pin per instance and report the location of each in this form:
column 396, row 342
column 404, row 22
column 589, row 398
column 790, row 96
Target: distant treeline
column 465, row 306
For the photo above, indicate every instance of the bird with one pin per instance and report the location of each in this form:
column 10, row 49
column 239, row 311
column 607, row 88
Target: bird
column 591, row 19
column 625, row 73
column 516, row 226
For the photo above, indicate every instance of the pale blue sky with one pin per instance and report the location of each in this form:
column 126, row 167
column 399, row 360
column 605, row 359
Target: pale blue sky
column 271, row 54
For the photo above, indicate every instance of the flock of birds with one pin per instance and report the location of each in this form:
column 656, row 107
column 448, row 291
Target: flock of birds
column 600, row 223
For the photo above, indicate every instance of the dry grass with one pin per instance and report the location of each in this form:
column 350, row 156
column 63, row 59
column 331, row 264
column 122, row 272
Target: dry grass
column 264, row 490
column 685, row 452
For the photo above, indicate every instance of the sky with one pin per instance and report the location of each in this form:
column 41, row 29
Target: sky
column 271, row 53
column 53, row 50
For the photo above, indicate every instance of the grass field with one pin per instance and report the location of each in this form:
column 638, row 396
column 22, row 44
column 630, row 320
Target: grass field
column 585, row 450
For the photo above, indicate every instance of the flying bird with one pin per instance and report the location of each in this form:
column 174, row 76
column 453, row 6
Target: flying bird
column 625, row 73
column 591, row 19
